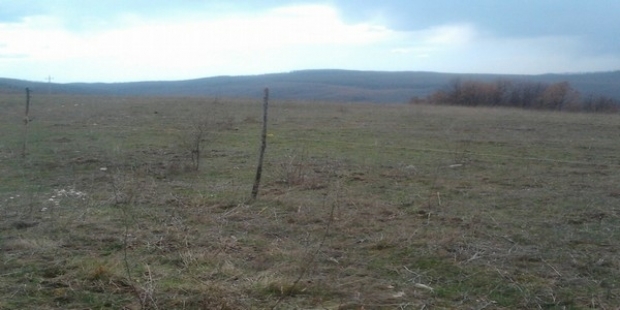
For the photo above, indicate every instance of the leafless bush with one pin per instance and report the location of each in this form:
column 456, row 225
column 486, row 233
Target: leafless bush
column 292, row 170
column 298, row 169
column 192, row 141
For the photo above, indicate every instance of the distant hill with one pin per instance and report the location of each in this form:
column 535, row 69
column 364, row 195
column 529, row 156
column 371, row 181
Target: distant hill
column 318, row 85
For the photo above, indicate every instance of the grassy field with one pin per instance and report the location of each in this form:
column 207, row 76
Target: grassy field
column 361, row 206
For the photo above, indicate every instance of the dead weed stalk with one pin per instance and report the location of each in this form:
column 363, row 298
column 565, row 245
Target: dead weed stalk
column 312, row 255
column 124, row 197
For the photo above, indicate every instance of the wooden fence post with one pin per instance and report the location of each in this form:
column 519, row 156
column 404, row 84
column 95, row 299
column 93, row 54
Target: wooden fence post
column 263, row 146
column 26, row 121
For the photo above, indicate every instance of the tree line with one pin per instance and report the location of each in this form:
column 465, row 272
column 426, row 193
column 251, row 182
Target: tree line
column 520, row 94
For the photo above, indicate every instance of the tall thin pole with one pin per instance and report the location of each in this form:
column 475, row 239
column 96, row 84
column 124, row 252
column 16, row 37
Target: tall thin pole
column 26, row 121
column 263, row 146
column 49, row 84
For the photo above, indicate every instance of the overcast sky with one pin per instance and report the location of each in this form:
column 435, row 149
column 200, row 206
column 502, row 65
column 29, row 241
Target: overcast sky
column 135, row 40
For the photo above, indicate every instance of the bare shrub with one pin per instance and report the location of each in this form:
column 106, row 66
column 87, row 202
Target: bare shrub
column 192, row 142
column 298, row 169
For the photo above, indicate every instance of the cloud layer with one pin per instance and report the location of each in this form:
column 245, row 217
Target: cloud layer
column 162, row 40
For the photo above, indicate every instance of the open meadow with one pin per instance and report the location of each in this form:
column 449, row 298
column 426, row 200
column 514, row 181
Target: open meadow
column 360, row 206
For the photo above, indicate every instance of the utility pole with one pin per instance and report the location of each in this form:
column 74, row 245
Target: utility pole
column 49, row 84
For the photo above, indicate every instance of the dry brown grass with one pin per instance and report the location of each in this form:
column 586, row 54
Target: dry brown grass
column 362, row 207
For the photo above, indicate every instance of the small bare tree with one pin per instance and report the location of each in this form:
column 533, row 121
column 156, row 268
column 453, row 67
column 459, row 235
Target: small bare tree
column 199, row 135
column 192, row 141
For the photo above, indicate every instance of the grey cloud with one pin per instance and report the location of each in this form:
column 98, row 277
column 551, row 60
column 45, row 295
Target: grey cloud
column 524, row 17
column 594, row 22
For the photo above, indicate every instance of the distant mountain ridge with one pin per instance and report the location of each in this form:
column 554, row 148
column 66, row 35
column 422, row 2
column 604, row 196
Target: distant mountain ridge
column 318, row 85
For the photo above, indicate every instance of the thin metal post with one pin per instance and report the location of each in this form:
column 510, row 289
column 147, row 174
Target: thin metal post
column 263, row 146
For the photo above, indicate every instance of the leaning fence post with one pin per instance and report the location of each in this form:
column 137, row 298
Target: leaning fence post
column 263, row 146
column 26, row 121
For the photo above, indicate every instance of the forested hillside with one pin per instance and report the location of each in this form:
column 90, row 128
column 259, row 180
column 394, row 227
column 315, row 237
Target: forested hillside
column 321, row 85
